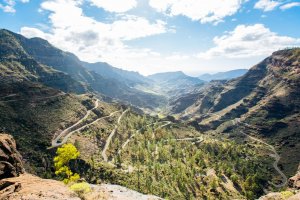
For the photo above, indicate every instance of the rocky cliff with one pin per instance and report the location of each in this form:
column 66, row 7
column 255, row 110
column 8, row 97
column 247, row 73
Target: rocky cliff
column 10, row 159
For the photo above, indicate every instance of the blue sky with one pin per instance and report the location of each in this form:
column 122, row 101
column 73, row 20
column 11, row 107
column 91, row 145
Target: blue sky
column 149, row 36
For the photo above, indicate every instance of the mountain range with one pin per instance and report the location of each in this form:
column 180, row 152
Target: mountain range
column 231, row 135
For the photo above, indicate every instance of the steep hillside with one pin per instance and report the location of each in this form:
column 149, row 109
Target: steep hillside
column 266, row 99
column 32, row 113
column 223, row 75
column 128, row 77
column 17, row 65
column 44, row 54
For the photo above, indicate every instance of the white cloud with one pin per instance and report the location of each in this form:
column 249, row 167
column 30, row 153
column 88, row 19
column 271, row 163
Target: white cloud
column 290, row 5
column 267, row 5
column 249, row 41
column 178, row 57
column 212, row 11
column 92, row 40
column 118, row 6
column 9, row 5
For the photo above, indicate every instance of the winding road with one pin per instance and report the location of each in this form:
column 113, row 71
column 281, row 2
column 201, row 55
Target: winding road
column 111, row 136
column 274, row 153
column 55, row 142
column 138, row 131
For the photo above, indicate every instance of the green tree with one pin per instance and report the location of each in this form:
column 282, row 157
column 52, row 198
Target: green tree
column 61, row 163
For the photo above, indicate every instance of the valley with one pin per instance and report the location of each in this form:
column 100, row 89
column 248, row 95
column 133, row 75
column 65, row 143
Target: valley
column 168, row 134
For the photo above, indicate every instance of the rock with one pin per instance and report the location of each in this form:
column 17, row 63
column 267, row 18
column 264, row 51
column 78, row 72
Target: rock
column 294, row 182
column 10, row 159
column 272, row 196
column 116, row 192
column 29, row 187
column 295, row 197
column 7, row 188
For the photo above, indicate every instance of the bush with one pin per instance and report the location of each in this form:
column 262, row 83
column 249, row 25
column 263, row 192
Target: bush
column 61, row 162
column 81, row 188
column 286, row 194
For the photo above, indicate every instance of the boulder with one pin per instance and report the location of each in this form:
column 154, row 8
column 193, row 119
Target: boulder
column 10, row 159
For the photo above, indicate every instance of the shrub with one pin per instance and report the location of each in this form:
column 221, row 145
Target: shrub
column 61, row 162
column 81, row 187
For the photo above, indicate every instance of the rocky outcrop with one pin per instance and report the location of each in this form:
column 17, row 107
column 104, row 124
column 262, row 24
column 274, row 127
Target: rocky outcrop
column 29, row 187
column 10, row 159
column 116, row 192
column 294, row 182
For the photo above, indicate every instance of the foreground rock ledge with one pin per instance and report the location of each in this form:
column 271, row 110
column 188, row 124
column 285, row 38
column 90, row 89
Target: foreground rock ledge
column 29, row 187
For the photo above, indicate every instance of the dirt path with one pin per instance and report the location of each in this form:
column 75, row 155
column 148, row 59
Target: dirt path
column 111, row 136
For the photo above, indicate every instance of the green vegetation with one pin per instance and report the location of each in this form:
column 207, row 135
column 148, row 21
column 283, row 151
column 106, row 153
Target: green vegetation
column 155, row 162
column 81, row 189
column 150, row 154
column 61, row 162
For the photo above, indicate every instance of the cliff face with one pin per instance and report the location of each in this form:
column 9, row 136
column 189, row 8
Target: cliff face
column 10, row 159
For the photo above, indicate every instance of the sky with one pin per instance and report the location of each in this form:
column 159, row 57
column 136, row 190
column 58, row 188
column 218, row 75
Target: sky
column 151, row 36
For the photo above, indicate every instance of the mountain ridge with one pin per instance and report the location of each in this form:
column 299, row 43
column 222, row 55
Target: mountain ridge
column 227, row 75
column 265, row 97
column 43, row 53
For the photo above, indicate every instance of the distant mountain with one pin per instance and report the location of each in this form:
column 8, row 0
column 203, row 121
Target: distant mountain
column 266, row 98
column 38, row 52
column 173, row 76
column 175, row 83
column 223, row 75
column 104, row 69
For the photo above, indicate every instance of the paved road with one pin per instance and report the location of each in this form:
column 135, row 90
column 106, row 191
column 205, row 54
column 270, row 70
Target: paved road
column 55, row 142
column 138, row 131
column 274, row 155
column 111, row 136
